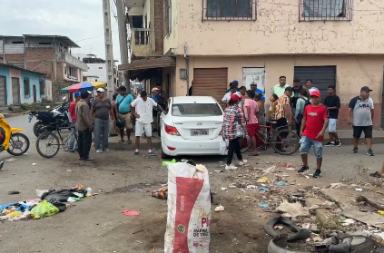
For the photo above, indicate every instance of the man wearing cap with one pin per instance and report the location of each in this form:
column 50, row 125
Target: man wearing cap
column 313, row 126
column 236, row 84
column 84, row 122
column 139, row 89
column 256, row 90
column 123, row 100
column 232, row 90
column 155, row 96
column 361, row 113
column 279, row 89
column 72, row 113
column 142, row 109
column 233, row 129
column 102, row 109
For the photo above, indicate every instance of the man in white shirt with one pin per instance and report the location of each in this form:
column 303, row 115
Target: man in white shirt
column 232, row 90
column 142, row 109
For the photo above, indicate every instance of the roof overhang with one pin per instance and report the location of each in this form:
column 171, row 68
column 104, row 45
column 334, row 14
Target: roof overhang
column 64, row 39
column 161, row 62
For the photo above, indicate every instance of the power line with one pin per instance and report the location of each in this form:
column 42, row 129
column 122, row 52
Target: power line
column 94, row 36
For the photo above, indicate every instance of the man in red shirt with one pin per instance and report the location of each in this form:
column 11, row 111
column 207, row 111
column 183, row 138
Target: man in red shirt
column 314, row 123
column 72, row 112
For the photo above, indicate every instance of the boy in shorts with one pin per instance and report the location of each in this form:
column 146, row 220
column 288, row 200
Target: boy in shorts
column 313, row 126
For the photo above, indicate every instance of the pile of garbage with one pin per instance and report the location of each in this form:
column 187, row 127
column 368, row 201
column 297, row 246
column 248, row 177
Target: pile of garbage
column 50, row 202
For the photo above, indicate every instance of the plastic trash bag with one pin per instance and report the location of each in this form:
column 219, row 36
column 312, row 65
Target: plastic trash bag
column 189, row 209
column 44, row 209
column 223, row 147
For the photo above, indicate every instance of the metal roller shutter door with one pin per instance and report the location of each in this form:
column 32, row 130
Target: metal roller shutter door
column 210, row 82
column 322, row 76
column 3, row 91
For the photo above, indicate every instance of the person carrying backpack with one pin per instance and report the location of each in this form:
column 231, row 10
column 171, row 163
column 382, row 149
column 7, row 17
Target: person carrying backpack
column 301, row 103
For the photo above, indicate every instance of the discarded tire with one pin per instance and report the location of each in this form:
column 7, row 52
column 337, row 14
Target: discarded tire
column 301, row 234
column 279, row 245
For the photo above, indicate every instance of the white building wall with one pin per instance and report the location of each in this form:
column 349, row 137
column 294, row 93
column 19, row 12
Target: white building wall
column 96, row 72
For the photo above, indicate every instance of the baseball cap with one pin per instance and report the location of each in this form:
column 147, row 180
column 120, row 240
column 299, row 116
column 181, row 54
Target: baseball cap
column 235, row 82
column 155, row 89
column 235, row 97
column 260, row 92
column 366, row 89
column 77, row 94
column 140, row 87
column 89, row 92
column 100, row 90
column 315, row 93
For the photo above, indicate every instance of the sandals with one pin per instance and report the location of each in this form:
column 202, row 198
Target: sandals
column 376, row 174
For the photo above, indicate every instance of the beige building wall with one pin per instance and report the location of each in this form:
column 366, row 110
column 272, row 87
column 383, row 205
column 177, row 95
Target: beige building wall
column 352, row 72
column 171, row 41
column 277, row 30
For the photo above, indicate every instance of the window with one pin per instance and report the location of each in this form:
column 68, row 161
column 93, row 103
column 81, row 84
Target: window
column 27, row 92
column 229, row 10
column 196, row 110
column 167, row 17
column 42, row 87
column 100, row 67
column 17, row 42
column 312, row 10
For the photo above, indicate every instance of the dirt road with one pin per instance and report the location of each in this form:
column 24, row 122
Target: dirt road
column 124, row 181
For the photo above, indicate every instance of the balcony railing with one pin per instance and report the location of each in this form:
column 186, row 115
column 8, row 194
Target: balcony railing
column 73, row 61
column 141, row 41
column 68, row 77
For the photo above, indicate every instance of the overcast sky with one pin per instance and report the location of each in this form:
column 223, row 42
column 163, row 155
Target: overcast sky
column 80, row 20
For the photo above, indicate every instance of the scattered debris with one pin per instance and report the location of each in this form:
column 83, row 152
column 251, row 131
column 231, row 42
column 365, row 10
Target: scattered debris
column 281, row 183
column 10, row 160
column 292, row 210
column 263, row 189
column 263, row 205
column 219, row 208
column 131, row 213
column 287, row 165
column 34, row 164
column 358, row 189
column 270, row 169
column 13, row 192
column 223, row 189
column 365, row 200
column 251, row 186
column 348, row 222
column 262, row 180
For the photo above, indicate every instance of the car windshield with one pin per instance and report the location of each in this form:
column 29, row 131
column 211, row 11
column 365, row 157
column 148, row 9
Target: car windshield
column 196, row 110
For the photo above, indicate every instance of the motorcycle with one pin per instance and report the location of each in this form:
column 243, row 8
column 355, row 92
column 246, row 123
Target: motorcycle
column 58, row 114
column 11, row 139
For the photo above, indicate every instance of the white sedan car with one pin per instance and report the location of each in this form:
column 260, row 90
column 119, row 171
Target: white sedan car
column 192, row 126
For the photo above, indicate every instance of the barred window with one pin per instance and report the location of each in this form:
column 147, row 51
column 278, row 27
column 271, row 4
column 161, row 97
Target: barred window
column 167, row 17
column 229, row 10
column 312, row 10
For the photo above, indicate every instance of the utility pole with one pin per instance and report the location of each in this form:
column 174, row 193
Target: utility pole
column 121, row 20
column 109, row 48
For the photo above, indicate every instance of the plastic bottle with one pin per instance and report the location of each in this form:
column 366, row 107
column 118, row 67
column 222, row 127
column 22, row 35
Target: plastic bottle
column 89, row 192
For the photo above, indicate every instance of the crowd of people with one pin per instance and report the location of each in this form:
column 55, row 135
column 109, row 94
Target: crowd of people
column 296, row 106
column 91, row 118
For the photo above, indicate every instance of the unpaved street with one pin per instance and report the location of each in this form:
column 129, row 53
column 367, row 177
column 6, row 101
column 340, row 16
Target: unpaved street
column 124, row 181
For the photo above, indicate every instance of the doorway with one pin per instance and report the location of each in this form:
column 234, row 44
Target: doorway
column 3, row 91
column 15, row 91
column 34, row 93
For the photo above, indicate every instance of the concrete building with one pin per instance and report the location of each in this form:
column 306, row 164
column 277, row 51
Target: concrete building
column 19, row 86
column 214, row 42
column 48, row 54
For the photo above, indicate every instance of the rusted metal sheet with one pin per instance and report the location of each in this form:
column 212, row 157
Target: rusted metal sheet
column 210, row 82
column 160, row 62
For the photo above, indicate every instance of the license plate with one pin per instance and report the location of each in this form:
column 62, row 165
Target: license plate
column 30, row 117
column 196, row 132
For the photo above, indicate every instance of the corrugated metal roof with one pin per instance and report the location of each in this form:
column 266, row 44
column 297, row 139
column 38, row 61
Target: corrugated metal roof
column 18, row 68
column 64, row 39
column 160, row 62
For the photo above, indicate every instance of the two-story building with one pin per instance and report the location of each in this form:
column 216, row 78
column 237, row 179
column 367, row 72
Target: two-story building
column 48, row 54
column 332, row 42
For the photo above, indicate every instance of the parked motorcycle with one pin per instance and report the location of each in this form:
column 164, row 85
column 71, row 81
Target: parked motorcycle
column 58, row 114
column 11, row 139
